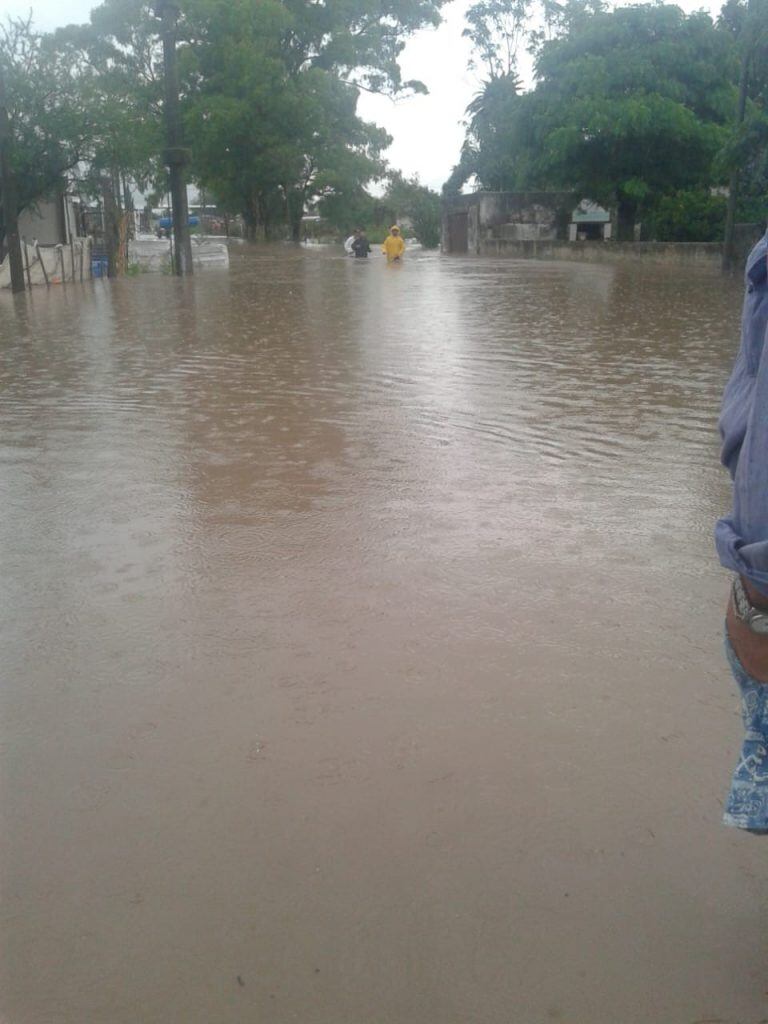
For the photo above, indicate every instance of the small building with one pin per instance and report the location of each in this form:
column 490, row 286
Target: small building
column 479, row 221
column 54, row 243
column 589, row 223
column 54, row 221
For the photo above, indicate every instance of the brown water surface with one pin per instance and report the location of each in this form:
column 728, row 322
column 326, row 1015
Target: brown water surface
column 361, row 649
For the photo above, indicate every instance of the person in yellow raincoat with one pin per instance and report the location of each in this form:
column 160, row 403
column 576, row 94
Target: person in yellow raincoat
column 394, row 246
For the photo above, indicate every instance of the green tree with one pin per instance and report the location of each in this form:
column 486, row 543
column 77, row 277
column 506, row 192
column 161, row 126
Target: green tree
column 745, row 155
column 492, row 151
column 273, row 90
column 49, row 125
column 358, row 209
column 497, row 28
column 695, row 215
column 421, row 205
column 628, row 105
column 632, row 104
column 118, row 64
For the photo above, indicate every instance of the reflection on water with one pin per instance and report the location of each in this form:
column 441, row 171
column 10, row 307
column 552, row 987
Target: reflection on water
column 361, row 655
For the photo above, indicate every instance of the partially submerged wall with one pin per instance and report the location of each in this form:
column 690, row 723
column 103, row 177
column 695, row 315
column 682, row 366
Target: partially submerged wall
column 533, row 225
column 51, row 264
column 154, row 254
column 702, row 254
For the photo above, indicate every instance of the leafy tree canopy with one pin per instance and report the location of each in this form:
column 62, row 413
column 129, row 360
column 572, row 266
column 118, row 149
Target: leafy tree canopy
column 421, row 205
column 269, row 97
column 50, row 126
column 627, row 105
column 271, row 108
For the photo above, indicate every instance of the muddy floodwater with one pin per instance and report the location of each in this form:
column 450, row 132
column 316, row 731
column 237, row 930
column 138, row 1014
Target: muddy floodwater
column 361, row 656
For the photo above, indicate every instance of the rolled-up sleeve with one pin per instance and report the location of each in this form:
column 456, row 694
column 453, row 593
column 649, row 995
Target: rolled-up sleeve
column 742, row 536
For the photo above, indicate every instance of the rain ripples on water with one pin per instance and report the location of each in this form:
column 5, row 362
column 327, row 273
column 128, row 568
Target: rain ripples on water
column 360, row 653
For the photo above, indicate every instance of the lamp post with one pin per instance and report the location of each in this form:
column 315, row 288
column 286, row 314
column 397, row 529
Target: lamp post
column 175, row 156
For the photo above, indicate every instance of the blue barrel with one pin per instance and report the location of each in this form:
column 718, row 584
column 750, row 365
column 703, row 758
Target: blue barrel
column 166, row 222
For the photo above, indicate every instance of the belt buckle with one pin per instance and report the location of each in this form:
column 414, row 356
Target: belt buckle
column 752, row 617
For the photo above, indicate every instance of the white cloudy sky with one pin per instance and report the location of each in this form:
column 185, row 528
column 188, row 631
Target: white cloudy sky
column 426, row 130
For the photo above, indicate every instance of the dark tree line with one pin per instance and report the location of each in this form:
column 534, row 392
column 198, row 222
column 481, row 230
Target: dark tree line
column 269, row 92
column 636, row 108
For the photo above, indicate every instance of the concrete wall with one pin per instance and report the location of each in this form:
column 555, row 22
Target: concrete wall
column 51, row 221
column 45, row 222
column 533, row 225
column 54, row 264
column 154, row 254
column 702, row 254
column 515, row 215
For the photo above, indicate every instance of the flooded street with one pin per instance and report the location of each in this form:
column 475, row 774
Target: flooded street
column 361, row 649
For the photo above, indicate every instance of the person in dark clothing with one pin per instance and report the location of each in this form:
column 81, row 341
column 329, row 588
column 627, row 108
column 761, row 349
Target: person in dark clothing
column 361, row 246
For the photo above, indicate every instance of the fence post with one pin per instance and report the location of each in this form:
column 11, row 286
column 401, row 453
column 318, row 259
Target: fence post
column 26, row 262
column 40, row 257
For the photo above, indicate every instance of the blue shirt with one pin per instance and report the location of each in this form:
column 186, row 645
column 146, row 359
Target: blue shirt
column 742, row 536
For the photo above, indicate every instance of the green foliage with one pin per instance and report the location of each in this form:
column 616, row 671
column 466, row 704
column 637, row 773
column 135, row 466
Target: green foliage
column 633, row 105
column 271, row 112
column 499, row 28
column 50, row 124
column 628, row 106
column 358, row 209
column 119, row 73
column 496, row 29
column 269, row 92
column 687, row 216
column 493, row 150
column 409, row 198
column 745, row 153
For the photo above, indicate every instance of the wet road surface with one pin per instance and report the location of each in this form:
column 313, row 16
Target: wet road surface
column 361, row 649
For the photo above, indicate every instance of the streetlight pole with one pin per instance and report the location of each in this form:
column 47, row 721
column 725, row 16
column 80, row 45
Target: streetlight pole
column 10, row 196
column 175, row 156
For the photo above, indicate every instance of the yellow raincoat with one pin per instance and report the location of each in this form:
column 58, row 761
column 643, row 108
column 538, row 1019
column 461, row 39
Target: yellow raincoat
column 394, row 246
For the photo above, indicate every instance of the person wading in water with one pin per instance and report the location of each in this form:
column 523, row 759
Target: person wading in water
column 361, row 246
column 394, row 246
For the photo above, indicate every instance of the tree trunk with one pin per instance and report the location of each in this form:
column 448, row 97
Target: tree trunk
column 111, row 227
column 625, row 221
column 10, row 198
column 296, row 198
column 176, row 156
column 129, row 207
column 252, row 217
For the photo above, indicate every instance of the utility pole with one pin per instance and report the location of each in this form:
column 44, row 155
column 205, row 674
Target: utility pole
column 10, row 196
column 175, row 156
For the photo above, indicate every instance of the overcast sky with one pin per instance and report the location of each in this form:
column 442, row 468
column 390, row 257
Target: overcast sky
column 427, row 130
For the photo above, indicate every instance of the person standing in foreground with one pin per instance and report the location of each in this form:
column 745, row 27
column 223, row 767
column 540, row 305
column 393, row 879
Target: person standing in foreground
column 394, row 246
column 742, row 544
